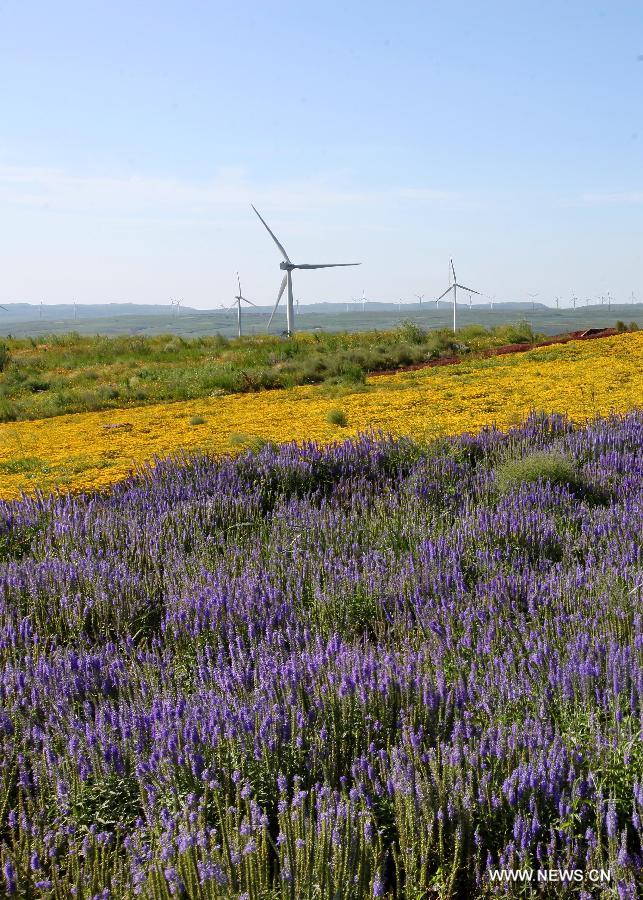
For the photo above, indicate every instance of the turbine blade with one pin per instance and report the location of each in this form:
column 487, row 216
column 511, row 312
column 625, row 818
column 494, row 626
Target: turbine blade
column 325, row 265
column 471, row 291
column 279, row 296
column 453, row 270
column 239, row 282
column 245, row 300
column 444, row 294
column 272, row 235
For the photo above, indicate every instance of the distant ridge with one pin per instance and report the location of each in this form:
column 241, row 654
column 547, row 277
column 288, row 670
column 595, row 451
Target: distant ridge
column 24, row 310
column 24, row 319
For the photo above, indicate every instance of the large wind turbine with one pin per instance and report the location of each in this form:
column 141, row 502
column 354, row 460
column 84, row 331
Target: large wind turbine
column 237, row 302
column 287, row 266
column 454, row 287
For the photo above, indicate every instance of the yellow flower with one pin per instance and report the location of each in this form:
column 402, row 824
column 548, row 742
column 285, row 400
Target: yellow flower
column 93, row 450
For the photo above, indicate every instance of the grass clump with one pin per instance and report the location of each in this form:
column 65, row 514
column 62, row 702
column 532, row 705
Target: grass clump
column 337, row 417
column 541, row 466
column 8, row 411
column 197, row 420
column 551, row 466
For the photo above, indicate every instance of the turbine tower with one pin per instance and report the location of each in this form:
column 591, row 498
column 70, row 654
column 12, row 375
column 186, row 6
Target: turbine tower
column 454, row 287
column 287, row 267
column 237, row 302
column 364, row 301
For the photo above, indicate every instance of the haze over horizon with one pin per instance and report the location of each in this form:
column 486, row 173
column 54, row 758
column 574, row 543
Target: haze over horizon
column 134, row 139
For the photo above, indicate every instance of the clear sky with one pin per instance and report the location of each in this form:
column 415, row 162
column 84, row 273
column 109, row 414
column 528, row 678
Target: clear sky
column 135, row 135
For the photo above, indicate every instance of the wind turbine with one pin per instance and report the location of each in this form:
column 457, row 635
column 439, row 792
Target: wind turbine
column 632, row 298
column 364, row 301
column 491, row 299
column 533, row 301
column 574, row 301
column 420, row 298
column 454, row 287
column 557, row 299
column 287, row 267
column 237, row 302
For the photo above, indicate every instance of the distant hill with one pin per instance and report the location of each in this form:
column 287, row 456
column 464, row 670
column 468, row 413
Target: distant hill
column 28, row 320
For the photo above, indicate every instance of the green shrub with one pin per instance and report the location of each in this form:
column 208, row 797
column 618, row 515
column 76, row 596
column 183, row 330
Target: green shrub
column 521, row 333
column 621, row 327
column 551, row 466
column 633, row 326
column 410, row 332
column 197, row 420
column 336, row 417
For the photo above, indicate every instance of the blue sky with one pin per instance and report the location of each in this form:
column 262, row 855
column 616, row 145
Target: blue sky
column 133, row 138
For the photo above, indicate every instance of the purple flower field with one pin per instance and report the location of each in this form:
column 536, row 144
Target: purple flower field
column 371, row 670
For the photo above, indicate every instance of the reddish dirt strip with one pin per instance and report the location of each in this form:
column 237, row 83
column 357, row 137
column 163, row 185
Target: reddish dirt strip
column 587, row 335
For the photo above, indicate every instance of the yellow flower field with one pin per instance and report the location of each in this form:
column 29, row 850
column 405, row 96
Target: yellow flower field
column 93, row 450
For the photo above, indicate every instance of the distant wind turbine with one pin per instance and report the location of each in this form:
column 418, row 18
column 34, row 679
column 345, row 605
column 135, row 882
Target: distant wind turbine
column 533, row 301
column 633, row 298
column 557, row 299
column 454, row 287
column 420, row 298
column 364, row 301
column 238, row 299
column 287, row 266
